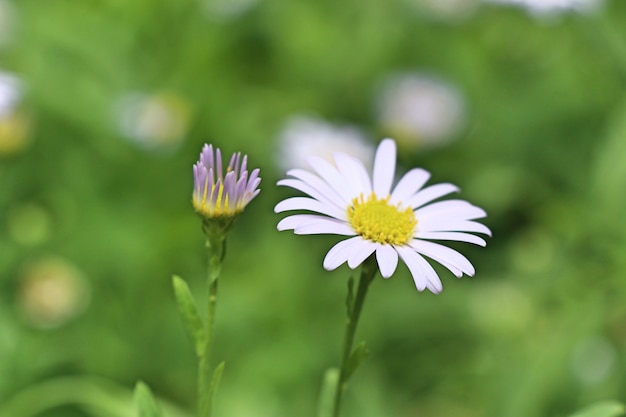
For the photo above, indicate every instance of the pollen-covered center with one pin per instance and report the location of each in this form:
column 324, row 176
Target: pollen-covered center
column 377, row 220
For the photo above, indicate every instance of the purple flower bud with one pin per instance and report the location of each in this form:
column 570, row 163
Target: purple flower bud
column 218, row 194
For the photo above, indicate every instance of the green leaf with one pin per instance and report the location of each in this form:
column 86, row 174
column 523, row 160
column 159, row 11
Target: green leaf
column 356, row 358
column 610, row 163
column 189, row 313
column 215, row 381
column 602, row 409
column 144, row 400
column 327, row 394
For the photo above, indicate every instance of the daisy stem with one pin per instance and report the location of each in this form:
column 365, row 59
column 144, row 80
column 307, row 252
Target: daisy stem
column 368, row 270
column 215, row 248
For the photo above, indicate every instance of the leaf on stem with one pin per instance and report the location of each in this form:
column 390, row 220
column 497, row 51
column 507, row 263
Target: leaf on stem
column 189, row 313
column 602, row 409
column 356, row 358
column 215, row 268
column 215, row 381
column 327, row 394
column 145, row 402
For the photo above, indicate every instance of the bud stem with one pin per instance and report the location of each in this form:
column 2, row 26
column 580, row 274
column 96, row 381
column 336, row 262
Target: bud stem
column 215, row 248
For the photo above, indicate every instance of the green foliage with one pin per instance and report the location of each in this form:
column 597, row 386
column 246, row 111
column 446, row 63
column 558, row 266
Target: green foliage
column 538, row 332
column 189, row 313
column 603, row 409
column 215, row 380
column 356, row 359
column 146, row 405
column 327, row 393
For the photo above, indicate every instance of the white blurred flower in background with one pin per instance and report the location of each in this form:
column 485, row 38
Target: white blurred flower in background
column 593, row 360
column 551, row 7
column 304, row 136
column 228, row 9
column 10, row 92
column 449, row 10
column 419, row 110
column 14, row 122
column 157, row 121
column 51, row 292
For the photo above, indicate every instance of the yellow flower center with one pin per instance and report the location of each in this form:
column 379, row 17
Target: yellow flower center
column 203, row 204
column 377, row 220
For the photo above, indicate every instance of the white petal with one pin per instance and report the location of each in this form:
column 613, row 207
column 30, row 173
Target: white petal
column 333, row 178
column 457, row 236
column 329, row 197
column 434, row 283
column 443, row 225
column 406, row 254
column 384, row 168
column 408, row 185
column 445, row 256
column 291, row 222
column 322, row 191
column 304, row 203
column 360, row 251
column 387, row 258
column 339, row 253
column 409, row 257
column 325, row 227
column 303, row 224
column 354, row 172
column 451, row 209
column 428, row 194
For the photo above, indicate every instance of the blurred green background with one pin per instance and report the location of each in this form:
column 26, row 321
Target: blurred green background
column 96, row 216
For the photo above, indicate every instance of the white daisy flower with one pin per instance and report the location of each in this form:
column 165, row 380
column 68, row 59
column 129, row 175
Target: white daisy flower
column 391, row 223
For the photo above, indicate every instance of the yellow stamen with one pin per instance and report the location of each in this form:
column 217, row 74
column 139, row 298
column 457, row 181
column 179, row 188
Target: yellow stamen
column 377, row 220
column 211, row 192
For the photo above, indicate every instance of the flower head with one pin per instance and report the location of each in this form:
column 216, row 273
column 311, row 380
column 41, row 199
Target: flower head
column 220, row 197
column 52, row 291
column 390, row 223
column 303, row 136
column 420, row 110
column 156, row 121
column 549, row 8
column 446, row 10
column 14, row 120
column 10, row 92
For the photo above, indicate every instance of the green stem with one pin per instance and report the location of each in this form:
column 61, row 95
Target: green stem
column 368, row 270
column 215, row 249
